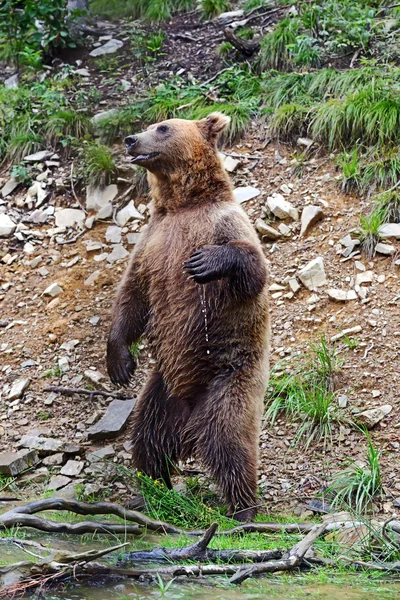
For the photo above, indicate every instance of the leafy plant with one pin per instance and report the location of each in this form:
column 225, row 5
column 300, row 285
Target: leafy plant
column 387, row 205
column 359, row 484
column 66, row 125
column 276, row 51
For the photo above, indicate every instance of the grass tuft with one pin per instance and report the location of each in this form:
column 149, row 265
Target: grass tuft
column 307, row 394
column 213, row 8
column 359, row 484
column 98, row 167
column 369, row 232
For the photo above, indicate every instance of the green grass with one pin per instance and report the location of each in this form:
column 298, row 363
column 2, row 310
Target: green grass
column 154, row 11
column 307, row 394
column 358, row 485
column 65, row 125
column 213, row 8
column 369, row 232
column 387, row 205
column 98, row 168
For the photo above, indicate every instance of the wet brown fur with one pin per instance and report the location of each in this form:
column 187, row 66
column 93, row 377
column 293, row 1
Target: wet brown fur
column 204, row 398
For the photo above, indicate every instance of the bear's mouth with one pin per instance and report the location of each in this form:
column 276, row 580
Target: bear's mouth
column 144, row 157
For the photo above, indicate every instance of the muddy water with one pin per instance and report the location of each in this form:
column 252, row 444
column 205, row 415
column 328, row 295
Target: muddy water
column 258, row 590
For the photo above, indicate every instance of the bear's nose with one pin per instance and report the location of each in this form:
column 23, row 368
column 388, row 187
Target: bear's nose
column 131, row 140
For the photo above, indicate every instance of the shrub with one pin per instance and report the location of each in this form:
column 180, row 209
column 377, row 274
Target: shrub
column 98, row 165
column 213, row 8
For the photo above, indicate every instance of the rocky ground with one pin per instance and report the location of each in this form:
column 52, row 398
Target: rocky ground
column 63, row 252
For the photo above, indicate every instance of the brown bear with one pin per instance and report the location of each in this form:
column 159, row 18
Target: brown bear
column 196, row 288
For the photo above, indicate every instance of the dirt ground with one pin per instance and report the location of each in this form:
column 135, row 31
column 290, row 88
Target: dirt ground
column 37, row 331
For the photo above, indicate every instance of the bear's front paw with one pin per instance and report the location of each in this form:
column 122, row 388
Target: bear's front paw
column 209, row 263
column 120, row 364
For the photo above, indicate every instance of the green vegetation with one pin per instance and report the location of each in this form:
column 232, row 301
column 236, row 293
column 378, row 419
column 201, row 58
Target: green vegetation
column 154, row 11
column 307, row 393
column 98, row 167
column 32, row 30
column 358, row 485
column 369, row 232
column 213, row 8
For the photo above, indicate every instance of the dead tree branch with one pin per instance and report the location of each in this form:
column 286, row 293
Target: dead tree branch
column 66, row 391
column 245, row 47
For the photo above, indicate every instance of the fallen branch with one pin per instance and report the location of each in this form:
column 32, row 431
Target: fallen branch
column 372, row 566
column 67, row 391
column 24, row 516
column 289, row 561
column 246, row 47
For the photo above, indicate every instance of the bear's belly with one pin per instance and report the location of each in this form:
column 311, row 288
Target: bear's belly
column 196, row 332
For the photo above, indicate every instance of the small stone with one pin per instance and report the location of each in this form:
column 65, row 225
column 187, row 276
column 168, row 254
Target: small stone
column 54, row 460
column 63, row 364
column 266, row 231
column 364, row 278
column 376, row 393
column 389, row 230
column 57, row 482
column 127, row 213
column 108, row 48
column 14, row 463
column 301, row 141
column 7, row 226
column 53, row 290
column 9, row 187
column 68, row 217
column 285, row 189
column 225, row 17
column 132, row 238
column 359, row 266
column 105, row 114
column 281, row 208
column 94, row 321
column 242, row 194
column 118, row 253
column 372, row 417
column 11, row 82
column 94, row 376
column 387, row 249
column 294, row 284
column 97, row 197
column 38, row 156
column 100, row 454
column 18, row 388
column 92, row 245
column 113, row 234
column 310, row 216
column 284, row 229
column 342, row 401
column 82, row 72
column 72, row 468
column 114, row 420
column 341, row 295
column 313, row 274
column 231, row 164
column 91, row 280
column 105, row 212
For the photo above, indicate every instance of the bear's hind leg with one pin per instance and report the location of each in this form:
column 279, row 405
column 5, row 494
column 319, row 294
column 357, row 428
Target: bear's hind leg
column 157, row 429
column 224, row 428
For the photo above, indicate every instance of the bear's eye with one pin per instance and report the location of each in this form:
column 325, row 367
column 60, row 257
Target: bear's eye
column 162, row 128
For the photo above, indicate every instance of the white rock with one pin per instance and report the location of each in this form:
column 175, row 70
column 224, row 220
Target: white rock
column 127, row 213
column 18, row 388
column 305, row 142
column 284, row 229
column 359, row 266
column 109, row 48
column 105, row 212
column 267, row 231
column 310, row 216
column 38, row 156
column 281, row 208
column 364, row 277
column 104, row 115
column 9, row 187
column 118, row 252
column 68, row 217
column 372, row 417
column 113, row 234
column 125, row 85
column 389, row 230
column 285, row 189
column 53, row 290
column 97, row 197
column 229, row 16
column 231, row 164
column 11, row 83
column 63, row 364
column 313, row 274
column 82, row 72
column 294, row 284
column 7, row 226
column 242, row 194
column 94, row 376
column 387, row 249
column 341, row 295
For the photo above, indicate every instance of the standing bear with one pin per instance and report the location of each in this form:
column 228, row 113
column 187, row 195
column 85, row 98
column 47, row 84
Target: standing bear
column 196, row 287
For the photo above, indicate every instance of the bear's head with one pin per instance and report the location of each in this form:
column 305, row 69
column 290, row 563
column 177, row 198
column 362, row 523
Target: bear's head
column 177, row 144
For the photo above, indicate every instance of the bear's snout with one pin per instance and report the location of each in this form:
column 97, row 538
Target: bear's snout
column 131, row 140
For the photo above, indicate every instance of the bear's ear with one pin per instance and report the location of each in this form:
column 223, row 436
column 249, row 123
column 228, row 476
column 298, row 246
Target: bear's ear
column 212, row 125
